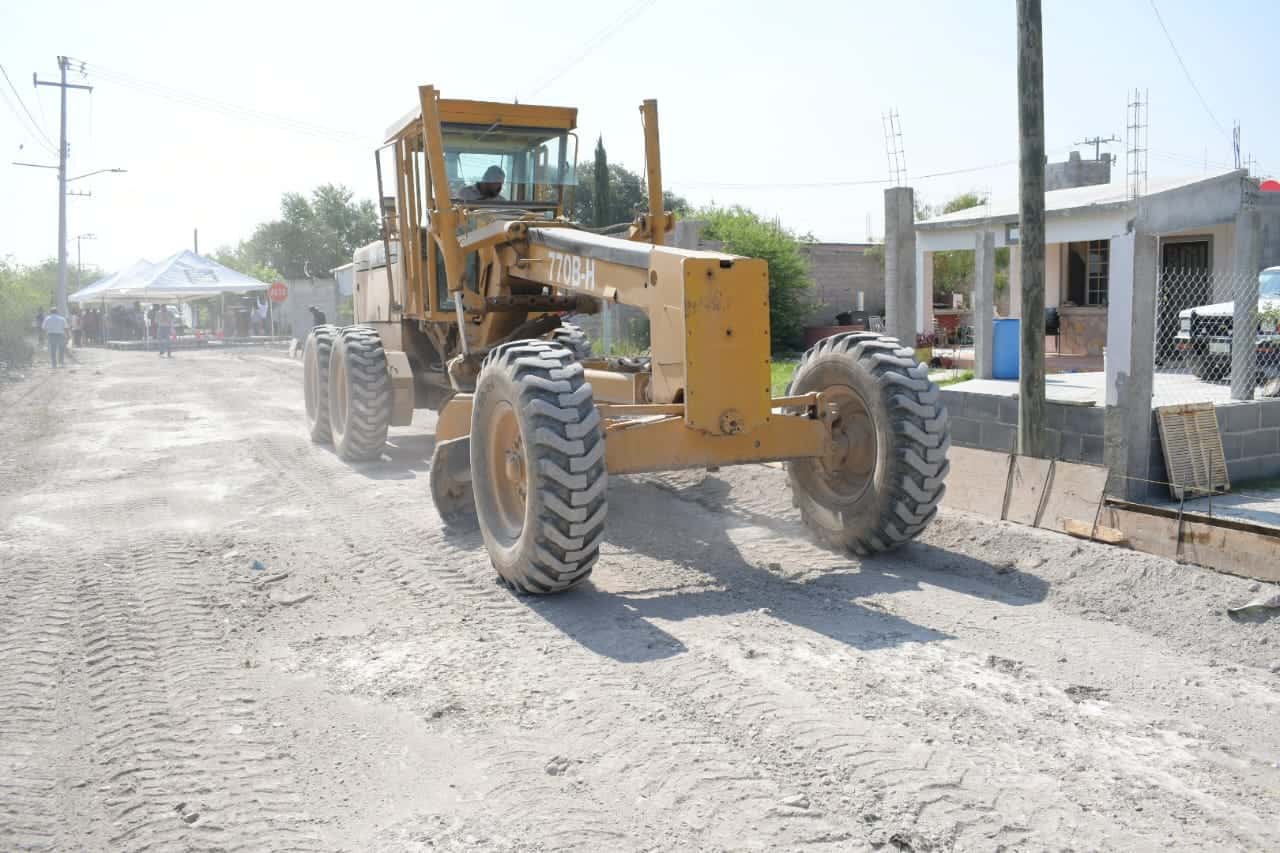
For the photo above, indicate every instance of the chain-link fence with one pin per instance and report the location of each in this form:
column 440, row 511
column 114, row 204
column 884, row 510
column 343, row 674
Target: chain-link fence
column 1216, row 335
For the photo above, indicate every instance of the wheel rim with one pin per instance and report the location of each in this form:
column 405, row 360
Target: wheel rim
column 848, row 469
column 338, row 393
column 508, row 468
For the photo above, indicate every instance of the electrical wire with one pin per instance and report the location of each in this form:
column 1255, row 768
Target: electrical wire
column 40, row 136
column 1185, row 71
column 224, row 108
column 862, row 182
column 628, row 15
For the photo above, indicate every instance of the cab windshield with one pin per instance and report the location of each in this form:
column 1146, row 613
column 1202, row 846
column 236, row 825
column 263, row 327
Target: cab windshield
column 508, row 166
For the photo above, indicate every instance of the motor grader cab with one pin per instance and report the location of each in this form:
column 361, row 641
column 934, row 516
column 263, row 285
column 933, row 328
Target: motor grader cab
column 459, row 308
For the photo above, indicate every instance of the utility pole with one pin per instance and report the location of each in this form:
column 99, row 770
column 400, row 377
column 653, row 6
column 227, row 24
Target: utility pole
column 195, row 240
column 1097, row 142
column 80, row 237
column 63, row 86
column 1031, row 408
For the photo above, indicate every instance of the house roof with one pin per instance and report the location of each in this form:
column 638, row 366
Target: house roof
column 1073, row 201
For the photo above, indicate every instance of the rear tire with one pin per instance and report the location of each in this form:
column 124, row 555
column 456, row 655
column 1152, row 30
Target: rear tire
column 574, row 339
column 882, row 485
column 538, row 466
column 359, row 394
column 315, row 382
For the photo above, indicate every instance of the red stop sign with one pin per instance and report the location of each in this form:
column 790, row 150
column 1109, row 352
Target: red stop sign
column 278, row 292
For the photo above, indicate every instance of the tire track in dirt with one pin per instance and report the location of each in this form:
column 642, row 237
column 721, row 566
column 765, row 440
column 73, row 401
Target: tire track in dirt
column 182, row 761
column 707, row 798
column 943, row 794
column 984, row 782
column 35, row 627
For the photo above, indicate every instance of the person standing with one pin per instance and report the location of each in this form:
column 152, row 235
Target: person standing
column 164, row 330
column 40, row 324
column 54, row 329
column 77, row 328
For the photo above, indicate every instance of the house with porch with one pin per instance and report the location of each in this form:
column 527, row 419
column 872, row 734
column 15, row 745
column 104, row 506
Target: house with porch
column 1117, row 271
column 1082, row 227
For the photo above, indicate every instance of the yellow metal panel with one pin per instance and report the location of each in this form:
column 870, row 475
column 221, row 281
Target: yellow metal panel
column 726, row 320
column 512, row 115
column 401, row 387
column 454, row 420
column 667, row 444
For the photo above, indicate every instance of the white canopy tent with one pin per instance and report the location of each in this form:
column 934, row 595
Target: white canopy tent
column 104, row 289
column 181, row 277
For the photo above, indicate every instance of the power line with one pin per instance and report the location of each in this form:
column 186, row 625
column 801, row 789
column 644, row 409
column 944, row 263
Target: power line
column 1185, row 71
column 224, row 108
column 849, row 183
column 41, row 137
column 628, row 15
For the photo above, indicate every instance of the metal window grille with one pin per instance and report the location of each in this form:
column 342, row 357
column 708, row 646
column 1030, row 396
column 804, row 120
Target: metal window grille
column 1099, row 264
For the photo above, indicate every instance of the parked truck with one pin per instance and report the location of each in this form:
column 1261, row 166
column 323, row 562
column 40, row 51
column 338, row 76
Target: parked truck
column 1204, row 336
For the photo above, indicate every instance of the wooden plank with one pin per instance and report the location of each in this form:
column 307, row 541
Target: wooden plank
column 1098, row 533
column 1076, row 492
column 977, row 481
column 1219, row 547
column 1027, row 483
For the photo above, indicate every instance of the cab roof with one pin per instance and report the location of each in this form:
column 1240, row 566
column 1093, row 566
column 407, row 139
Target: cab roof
column 486, row 113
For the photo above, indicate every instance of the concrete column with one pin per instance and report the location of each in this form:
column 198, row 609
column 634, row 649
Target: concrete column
column 1015, row 281
column 1244, row 323
column 900, row 285
column 687, row 234
column 984, row 296
column 1131, row 334
column 924, row 291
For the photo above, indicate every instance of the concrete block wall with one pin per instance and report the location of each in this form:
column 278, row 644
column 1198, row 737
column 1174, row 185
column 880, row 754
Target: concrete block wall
column 1250, row 436
column 990, row 422
column 839, row 271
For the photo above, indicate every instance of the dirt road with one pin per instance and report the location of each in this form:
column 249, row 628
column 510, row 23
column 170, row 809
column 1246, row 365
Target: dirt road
column 217, row 636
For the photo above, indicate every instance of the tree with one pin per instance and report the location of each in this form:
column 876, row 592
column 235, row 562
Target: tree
column 954, row 270
column 600, row 208
column 627, row 196
column 23, row 291
column 744, row 232
column 313, row 236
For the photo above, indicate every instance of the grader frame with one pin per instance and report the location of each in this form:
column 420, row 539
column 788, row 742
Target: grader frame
column 527, row 430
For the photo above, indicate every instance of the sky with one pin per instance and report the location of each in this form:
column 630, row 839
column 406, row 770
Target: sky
column 216, row 109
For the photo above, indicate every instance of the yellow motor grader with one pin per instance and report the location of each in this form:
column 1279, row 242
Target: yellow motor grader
column 460, row 308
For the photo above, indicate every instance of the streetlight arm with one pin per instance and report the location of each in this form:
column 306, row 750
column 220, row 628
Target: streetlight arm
column 33, row 165
column 96, row 172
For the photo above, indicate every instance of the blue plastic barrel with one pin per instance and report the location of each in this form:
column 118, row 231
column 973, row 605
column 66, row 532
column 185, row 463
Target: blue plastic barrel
column 1006, row 347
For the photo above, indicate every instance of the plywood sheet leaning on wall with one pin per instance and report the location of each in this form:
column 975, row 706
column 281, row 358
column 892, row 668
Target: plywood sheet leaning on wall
column 1035, row 492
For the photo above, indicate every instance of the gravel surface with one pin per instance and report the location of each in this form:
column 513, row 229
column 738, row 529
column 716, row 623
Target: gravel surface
column 215, row 635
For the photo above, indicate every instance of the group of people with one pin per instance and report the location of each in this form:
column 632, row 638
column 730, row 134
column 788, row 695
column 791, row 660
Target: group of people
column 89, row 325
column 82, row 326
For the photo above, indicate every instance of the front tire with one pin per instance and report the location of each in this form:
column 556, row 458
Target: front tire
column 315, row 382
column 881, row 485
column 359, row 394
column 538, row 466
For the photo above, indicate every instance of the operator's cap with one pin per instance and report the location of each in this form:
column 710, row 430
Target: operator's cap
column 494, row 173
